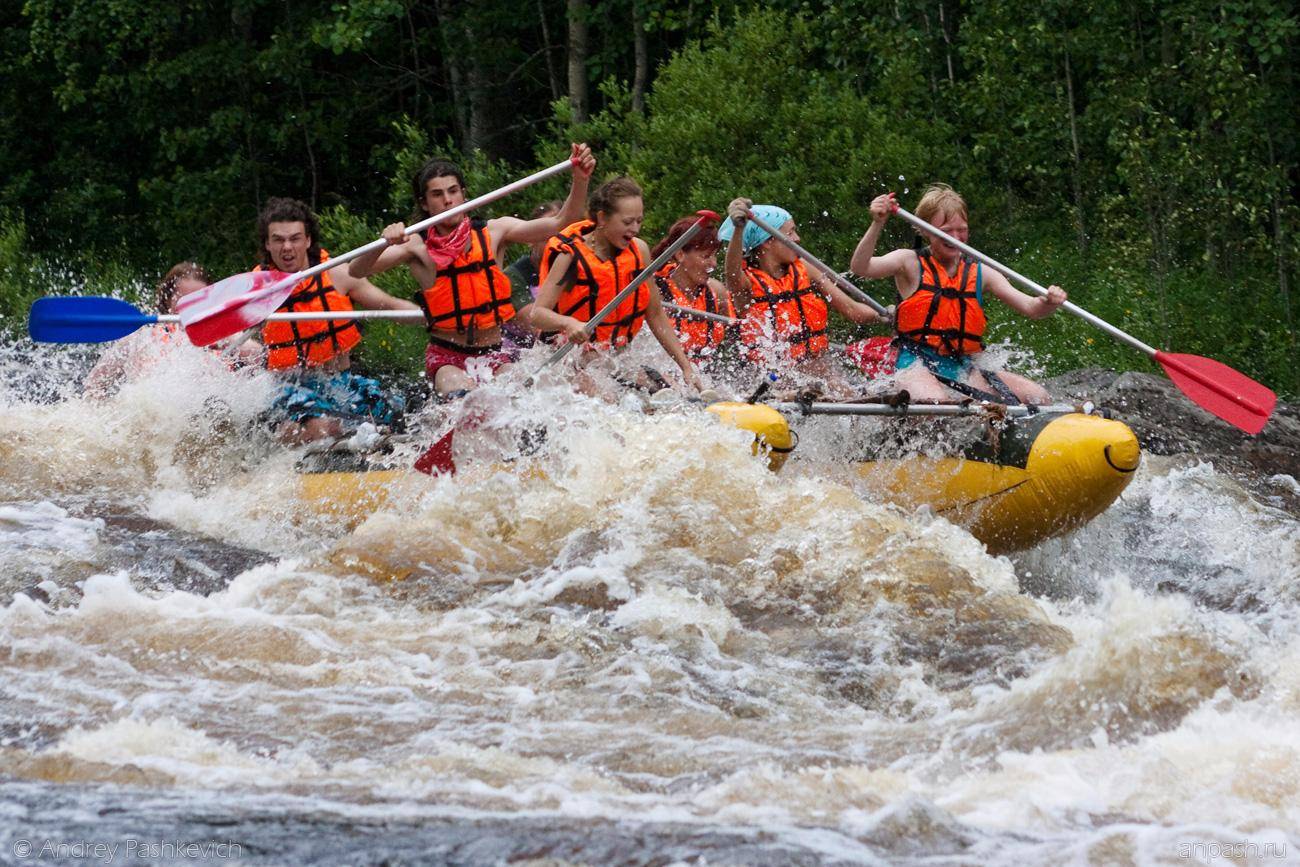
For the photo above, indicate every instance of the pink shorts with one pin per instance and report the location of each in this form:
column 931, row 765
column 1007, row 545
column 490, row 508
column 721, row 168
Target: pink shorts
column 440, row 354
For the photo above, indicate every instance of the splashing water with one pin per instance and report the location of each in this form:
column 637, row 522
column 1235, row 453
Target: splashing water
column 644, row 645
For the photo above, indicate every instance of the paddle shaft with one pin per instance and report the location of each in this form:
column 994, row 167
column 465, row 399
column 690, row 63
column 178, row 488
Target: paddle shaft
column 318, row 315
column 380, row 243
column 849, row 289
column 1031, row 285
column 883, row 409
column 700, row 314
column 590, row 327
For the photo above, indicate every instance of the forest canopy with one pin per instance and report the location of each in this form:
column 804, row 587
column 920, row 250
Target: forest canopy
column 1142, row 155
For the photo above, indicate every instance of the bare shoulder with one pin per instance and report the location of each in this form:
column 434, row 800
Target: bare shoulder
column 643, row 248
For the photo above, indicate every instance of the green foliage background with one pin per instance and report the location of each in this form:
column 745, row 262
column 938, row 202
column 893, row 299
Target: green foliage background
column 1142, row 155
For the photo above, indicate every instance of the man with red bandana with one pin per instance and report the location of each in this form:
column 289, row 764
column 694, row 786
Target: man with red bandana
column 464, row 293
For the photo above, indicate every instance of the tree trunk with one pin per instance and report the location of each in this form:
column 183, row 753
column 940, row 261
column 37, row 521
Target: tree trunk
column 548, row 49
column 642, row 59
column 1076, row 164
column 947, row 44
column 1279, row 244
column 479, row 131
column 460, row 107
column 417, row 97
column 578, row 59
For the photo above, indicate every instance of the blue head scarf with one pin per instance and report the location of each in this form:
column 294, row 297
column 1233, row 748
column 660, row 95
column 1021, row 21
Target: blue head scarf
column 753, row 236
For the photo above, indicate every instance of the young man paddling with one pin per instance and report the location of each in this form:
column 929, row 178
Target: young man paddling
column 464, row 294
column 784, row 308
column 585, row 267
column 314, row 356
column 940, row 319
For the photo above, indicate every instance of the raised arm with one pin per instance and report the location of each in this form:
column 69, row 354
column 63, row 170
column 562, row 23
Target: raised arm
column 733, row 265
column 512, row 230
column 865, row 262
column 1032, row 306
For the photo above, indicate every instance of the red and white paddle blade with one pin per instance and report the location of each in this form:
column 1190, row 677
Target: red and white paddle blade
column 230, row 306
column 437, row 458
column 1214, row 386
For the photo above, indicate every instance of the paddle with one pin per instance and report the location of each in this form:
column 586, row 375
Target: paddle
column 939, row 409
column 245, row 300
column 705, row 218
column 438, row 459
column 1212, row 385
column 700, row 314
column 849, row 289
column 94, row 319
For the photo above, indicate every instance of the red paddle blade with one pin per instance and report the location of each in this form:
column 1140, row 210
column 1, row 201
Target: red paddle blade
column 1216, row 387
column 233, row 305
column 437, row 458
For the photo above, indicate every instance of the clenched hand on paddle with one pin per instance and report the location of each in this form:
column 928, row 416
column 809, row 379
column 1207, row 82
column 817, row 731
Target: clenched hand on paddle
column 244, row 300
column 1211, row 385
column 236, row 303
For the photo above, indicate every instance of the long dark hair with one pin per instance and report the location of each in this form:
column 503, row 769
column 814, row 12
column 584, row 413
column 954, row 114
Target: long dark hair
column 437, row 168
column 283, row 210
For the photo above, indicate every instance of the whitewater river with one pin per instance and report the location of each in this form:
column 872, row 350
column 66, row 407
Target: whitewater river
column 654, row 651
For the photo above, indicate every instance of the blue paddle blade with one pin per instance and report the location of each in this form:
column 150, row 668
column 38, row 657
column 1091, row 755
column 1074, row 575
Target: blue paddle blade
column 91, row 319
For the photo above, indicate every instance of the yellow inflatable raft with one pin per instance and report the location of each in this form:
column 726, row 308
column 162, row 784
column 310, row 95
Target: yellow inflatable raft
column 1027, row 480
column 1012, row 482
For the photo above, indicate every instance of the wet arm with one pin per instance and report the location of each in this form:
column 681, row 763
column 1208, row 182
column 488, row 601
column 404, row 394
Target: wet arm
column 365, row 294
column 663, row 330
column 544, row 316
column 1031, row 306
column 734, row 271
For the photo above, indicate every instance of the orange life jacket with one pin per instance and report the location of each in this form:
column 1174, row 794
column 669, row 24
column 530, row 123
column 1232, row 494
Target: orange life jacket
column 473, row 294
column 596, row 282
column 699, row 337
column 945, row 312
column 789, row 309
column 311, row 343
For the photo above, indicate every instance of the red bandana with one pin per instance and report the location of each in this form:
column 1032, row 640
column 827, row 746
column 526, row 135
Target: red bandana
column 445, row 249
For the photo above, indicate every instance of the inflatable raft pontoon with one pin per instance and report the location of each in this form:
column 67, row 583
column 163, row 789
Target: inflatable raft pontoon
column 1012, row 478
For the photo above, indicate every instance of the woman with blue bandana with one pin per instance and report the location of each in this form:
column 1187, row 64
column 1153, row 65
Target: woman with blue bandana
column 784, row 310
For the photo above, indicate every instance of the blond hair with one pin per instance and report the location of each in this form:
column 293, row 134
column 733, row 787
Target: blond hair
column 940, row 200
column 165, row 291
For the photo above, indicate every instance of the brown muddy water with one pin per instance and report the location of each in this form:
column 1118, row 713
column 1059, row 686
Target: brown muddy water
column 648, row 650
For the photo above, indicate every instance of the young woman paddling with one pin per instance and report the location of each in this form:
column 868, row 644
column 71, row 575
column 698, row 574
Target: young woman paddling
column 940, row 319
column 687, row 281
column 785, row 309
column 586, row 265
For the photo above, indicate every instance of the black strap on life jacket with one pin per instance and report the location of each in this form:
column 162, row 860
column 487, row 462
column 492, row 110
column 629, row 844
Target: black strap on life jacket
column 585, row 276
column 717, row 330
column 459, row 313
column 300, row 343
column 952, row 339
column 804, row 334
